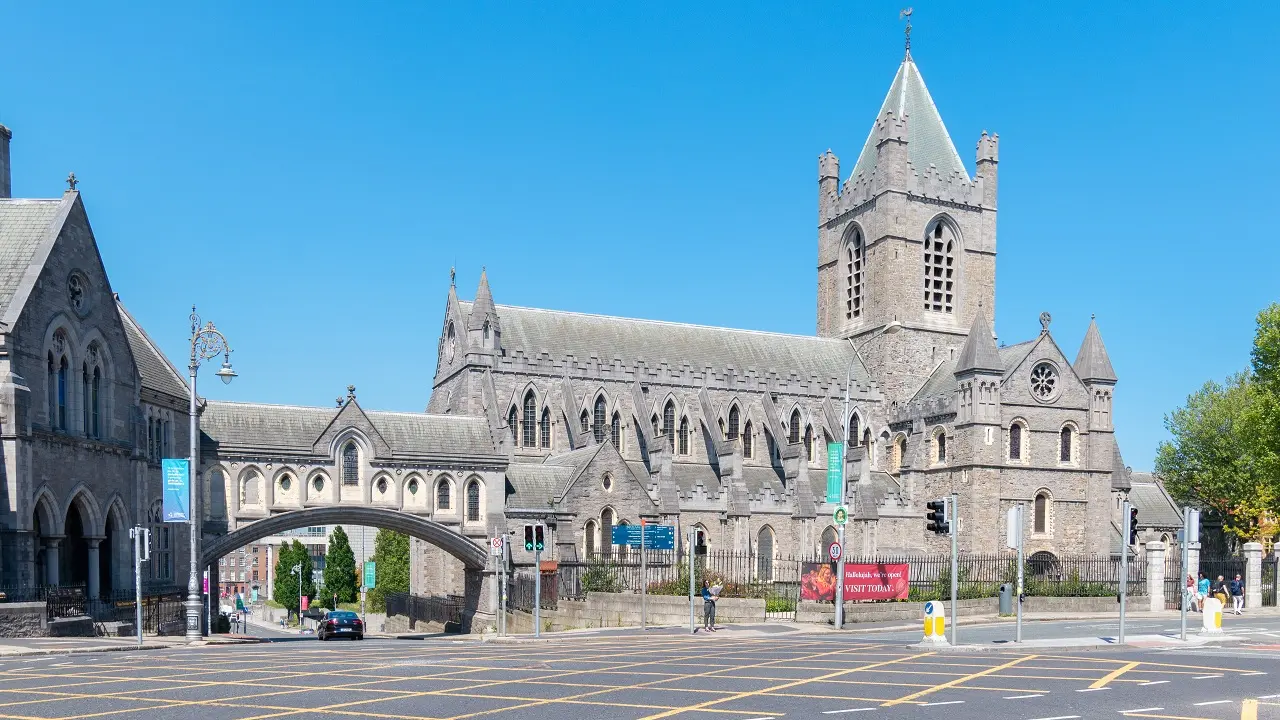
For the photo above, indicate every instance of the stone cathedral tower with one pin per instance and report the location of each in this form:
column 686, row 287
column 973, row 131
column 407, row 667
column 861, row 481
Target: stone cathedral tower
column 907, row 243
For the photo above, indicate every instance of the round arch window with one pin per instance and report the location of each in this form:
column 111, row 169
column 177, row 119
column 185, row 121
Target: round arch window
column 413, row 486
column 318, row 484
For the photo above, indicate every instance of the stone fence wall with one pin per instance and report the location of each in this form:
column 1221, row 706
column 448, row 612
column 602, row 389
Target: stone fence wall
column 27, row 619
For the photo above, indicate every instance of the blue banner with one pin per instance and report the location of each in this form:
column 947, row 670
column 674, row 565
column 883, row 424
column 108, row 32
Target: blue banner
column 177, row 489
column 656, row 537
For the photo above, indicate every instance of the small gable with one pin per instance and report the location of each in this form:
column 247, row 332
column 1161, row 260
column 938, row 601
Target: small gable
column 1044, row 376
column 351, row 417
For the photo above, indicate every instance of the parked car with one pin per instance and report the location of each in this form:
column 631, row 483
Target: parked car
column 341, row 623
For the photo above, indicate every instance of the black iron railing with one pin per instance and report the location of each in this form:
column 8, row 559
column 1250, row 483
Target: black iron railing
column 442, row 610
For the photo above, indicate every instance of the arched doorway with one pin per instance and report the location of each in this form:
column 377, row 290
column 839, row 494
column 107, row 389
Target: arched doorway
column 75, row 549
column 38, row 530
column 107, row 553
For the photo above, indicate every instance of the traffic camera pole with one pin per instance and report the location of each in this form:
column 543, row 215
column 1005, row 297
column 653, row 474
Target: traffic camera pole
column 1124, row 565
column 953, row 518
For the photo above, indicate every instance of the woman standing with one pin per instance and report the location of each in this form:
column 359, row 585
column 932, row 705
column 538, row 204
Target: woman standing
column 708, row 608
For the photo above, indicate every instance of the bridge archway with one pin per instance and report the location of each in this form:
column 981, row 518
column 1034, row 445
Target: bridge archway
column 472, row 556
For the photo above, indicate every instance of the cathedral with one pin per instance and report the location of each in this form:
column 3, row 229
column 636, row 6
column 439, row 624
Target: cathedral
column 610, row 420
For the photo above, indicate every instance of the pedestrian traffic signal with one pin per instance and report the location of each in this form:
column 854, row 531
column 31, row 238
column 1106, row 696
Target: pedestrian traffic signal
column 538, row 543
column 937, row 517
column 1133, row 526
column 528, row 538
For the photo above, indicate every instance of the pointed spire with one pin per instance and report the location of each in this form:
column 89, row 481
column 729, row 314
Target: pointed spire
column 928, row 142
column 483, row 307
column 1092, row 363
column 979, row 352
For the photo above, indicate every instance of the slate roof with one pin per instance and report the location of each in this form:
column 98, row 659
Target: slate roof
column 533, row 331
column 943, row 379
column 530, row 486
column 1155, row 507
column 928, row 142
column 158, row 374
column 1093, row 363
column 294, row 429
column 24, row 225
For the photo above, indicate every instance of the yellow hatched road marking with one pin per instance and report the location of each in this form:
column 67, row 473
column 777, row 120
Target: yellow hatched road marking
column 1102, row 682
column 1249, row 710
column 958, row 681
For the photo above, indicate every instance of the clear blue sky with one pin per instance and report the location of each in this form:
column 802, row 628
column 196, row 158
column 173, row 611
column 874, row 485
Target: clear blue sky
column 308, row 172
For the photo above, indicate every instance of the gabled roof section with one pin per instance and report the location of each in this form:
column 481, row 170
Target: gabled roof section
column 28, row 229
column 157, row 373
column 928, row 142
column 483, row 307
column 979, row 352
column 351, row 415
column 943, row 379
column 1092, row 362
column 561, row 333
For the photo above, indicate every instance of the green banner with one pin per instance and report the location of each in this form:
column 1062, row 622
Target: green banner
column 835, row 471
column 370, row 575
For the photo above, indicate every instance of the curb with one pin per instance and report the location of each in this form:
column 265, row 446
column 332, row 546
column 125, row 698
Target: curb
column 79, row 651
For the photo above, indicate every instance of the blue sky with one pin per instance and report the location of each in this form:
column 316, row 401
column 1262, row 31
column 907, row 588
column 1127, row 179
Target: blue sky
column 308, row 172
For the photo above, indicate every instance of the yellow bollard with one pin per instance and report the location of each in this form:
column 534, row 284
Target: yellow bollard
column 935, row 624
column 1212, row 610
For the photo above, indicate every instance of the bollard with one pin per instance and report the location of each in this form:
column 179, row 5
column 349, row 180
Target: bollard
column 1212, row 616
column 935, row 624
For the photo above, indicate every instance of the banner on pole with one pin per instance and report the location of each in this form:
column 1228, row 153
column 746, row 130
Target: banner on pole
column 370, row 574
column 177, row 490
column 862, row 581
column 835, row 471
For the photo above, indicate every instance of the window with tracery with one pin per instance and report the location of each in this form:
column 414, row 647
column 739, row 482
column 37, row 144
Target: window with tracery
column 853, row 430
column 584, row 420
column 615, row 431
column 350, row 464
column 939, row 268
column 1044, row 381
column 855, row 259
column 669, row 419
column 442, row 494
column 513, row 425
column 473, row 501
column 530, row 430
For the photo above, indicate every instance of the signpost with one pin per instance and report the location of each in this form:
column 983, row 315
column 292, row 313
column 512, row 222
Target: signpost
column 834, row 551
column 1013, row 526
column 141, row 553
column 177, row 490
column 645, row 537
column 835, row 472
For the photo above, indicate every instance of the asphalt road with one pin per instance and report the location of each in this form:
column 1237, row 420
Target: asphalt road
column 729, row 675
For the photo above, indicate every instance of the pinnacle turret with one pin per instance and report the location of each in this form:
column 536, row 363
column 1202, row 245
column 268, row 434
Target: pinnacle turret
column 1092, row 363
column 979, row 352
column 483, row 308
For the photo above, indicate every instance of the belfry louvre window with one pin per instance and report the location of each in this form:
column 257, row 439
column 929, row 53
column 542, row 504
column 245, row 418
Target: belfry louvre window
column 939, row 269
column 855, row 261
column 529, row 434
column 350, row 464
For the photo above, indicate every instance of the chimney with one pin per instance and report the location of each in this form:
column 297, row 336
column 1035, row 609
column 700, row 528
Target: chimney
column 6, row 180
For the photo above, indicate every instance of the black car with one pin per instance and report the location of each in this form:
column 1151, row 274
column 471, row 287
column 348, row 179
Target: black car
column 341, row 623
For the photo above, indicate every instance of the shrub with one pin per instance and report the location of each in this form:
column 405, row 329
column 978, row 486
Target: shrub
column 600, row 577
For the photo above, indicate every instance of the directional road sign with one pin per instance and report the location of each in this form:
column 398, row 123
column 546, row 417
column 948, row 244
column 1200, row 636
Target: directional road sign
column 656, row 537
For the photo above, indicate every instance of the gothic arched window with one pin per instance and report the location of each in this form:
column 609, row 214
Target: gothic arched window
column 529, row 436
column 764, row 547
column 808, row 443
column 473, row 501
column 63, row 372
column 669, row 418
column 615, row 431
column 95, row 402
column 794, row 430
column 940, row 446
column 1015, row 441
column 544, row 428
column 939, row 268
column 734, row 421
column 84, row 399
column 584, row 421
column 855, row 259
column 350, row 464
column 853, row 430
column 683, row 444
column 598, row 420
column 442, row 494
column 606, row 531
column 589, row 538
column 747, row 440
column 52, row 387
column 513, row 425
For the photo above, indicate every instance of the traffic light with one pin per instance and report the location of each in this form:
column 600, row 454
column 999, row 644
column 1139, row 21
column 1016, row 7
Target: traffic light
column 538, row 543
column 528, row 538
column 1133, row 526
column 937, row 517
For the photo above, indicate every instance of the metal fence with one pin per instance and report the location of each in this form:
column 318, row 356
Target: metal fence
column 442, row 610
column 160, row 605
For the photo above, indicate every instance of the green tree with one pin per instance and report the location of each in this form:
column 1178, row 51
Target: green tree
column 1225, row 452
column 339, row 570
column 285, row 587
column 391, row 553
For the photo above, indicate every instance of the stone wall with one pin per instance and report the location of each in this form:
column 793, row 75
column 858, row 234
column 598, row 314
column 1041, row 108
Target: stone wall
column 601, row 610
column 23, row 620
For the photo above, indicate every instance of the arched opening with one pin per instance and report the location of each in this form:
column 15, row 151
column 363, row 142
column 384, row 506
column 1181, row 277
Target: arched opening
column 112, row 535
column 1044, row 564
column 669, row 419
column 829, row 538
column 854, row 430
column 1015, row 441
column 544, row 428
column 607, row 518
column 615, row 431
column 682, row 444
column 40, row 529
column 748, row 441
column 793, row 431
column 75, row 548
column 855, row 268
column 513, row 425
column 1065, row 437
column 589, row 539
column 764, row 554
column 734, row 422
column 442, row 494
column 939, row 268
column 529, row 436
column 598, row 422
column 473, row 501
column 1041, row 513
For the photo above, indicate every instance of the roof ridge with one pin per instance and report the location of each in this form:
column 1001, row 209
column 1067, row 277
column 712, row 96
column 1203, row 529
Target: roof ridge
column 19, row 201
column 247, row 403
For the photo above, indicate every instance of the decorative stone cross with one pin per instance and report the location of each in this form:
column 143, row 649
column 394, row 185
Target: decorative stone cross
column 72, row 181
column 1045, row 319
column 351, row 391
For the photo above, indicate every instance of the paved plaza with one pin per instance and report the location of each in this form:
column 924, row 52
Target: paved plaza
column 748, row 674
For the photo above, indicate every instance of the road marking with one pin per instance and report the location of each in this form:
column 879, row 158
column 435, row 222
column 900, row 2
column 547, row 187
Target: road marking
column 1249, row 710
column 948, row 702
column 837, row 712
column 1211, row 702
column 1268, row 697
column 1153, row 682
column 1206, row 677
column 1102, row 682
column 1024, row 697
column 1059, row 717
column 959, row 681
column 1150, row 709
column 1092, row 689
column 766, row 717
column 1251, row 673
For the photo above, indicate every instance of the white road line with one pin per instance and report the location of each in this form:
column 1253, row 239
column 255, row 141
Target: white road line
column 1024, row 697
column 948, row 702
column 1153, row 682
column 1252, row 673
column 1138, row 710
column 1092, row 689
column 1268, row 697
column 837, row 712
column 1205, row 677
column 766, row 717
column 1059, row 717
column 1212, row 702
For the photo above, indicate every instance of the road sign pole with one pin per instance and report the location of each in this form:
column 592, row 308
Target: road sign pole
column 644, row 582
column 139, row 541
column 1124, row 564
column 1017, row 598
column 839, row 620
column 537, row 592
column 954, row 522
column 693, row 536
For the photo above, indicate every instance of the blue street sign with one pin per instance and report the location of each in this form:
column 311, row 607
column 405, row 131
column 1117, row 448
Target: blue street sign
column 177, row 490
column 656, row 537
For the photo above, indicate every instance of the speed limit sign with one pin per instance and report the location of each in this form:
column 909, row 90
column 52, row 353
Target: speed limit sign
column 834, row 550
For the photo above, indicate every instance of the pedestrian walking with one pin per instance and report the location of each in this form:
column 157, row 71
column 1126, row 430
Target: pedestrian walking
column 708, row 608
column 1237, row 594
column 1189, row 594
column 1202, row 591
column 1221, row 591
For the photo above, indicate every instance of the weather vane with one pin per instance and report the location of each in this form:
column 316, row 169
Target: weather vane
column 907, row 14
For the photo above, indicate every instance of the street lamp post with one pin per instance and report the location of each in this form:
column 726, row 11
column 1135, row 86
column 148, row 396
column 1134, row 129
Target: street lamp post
column 206, row 343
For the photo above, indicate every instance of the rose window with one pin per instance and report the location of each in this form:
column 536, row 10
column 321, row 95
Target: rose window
column 1044, row 381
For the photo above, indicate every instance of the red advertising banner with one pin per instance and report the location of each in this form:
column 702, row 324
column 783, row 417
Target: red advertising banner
column 862, row 581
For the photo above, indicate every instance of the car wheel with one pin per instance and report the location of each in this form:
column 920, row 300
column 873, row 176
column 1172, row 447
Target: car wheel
column 360, row 637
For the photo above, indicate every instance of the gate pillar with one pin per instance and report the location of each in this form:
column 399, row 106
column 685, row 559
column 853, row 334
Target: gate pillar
column 480, row 601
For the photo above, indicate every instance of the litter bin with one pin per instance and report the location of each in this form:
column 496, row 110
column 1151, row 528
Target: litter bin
column 1006, row 599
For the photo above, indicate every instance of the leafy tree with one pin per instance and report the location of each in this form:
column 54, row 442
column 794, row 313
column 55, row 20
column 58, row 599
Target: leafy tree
column 339, row 570
column 1225, row 451
column 285, row 587
column 391, row 553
